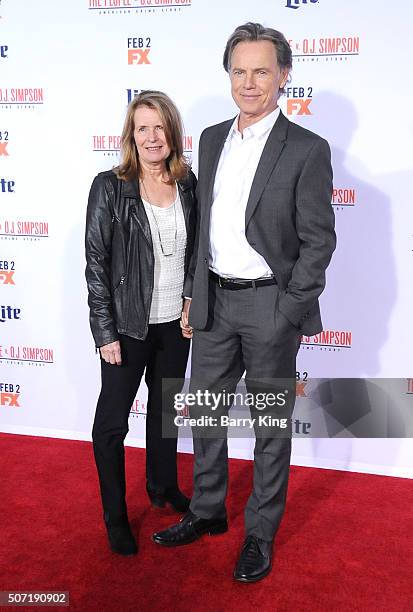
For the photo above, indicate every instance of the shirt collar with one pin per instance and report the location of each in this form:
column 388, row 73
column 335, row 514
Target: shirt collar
column 256, row 130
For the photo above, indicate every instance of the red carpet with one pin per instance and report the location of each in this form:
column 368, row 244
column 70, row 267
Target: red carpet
column 345, row 543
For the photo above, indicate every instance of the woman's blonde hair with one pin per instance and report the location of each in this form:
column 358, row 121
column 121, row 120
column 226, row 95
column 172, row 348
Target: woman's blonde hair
column 177, row 166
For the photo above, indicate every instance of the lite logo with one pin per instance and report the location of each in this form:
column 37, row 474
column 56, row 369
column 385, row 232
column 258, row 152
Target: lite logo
column 138, row 50
column 132, row 93
column 4, row 138
column 6, row 273
column 3, row 50
column 7, row 186
column 299, row 100
column 295, row 4
column 9, row 395
column 300, row 427
column 8, row 313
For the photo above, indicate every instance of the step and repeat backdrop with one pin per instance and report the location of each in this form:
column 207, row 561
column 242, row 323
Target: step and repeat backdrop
column 67, row 73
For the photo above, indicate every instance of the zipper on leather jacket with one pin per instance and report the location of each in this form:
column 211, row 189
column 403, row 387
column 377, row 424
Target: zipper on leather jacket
column 122, row 280
column 150, row 301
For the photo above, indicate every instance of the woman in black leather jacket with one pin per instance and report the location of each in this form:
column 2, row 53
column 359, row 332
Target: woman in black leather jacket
column 139, row 238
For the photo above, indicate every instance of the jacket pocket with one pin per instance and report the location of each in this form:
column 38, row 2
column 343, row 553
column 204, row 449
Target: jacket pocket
column 281, row 320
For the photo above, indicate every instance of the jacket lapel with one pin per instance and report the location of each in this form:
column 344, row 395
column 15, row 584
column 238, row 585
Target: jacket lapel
column 129, row 189
column 268, row 160
column 186, row 200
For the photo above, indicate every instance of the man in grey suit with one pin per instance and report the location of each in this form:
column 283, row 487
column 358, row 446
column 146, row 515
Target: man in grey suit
column 264, row 241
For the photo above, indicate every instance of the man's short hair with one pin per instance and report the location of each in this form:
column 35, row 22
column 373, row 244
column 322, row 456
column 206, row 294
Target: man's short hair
column 250, row 32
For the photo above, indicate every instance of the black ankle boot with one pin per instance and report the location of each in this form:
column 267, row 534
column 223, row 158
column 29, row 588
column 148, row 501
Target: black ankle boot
column 178, row 501
column 121, row 538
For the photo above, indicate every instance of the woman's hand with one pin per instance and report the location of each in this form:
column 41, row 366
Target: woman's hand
column 186, row 328
column 111, row 353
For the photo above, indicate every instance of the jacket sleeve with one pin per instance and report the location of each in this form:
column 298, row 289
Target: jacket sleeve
column 98, row 246
column 315, row 229
column 189, row 279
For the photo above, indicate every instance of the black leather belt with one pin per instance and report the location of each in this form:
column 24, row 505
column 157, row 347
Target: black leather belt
column 240, row 283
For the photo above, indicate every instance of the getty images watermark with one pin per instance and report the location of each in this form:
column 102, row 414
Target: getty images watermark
column 223, row 400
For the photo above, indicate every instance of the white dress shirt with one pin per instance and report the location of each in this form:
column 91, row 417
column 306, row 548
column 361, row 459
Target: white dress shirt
column 230, row 254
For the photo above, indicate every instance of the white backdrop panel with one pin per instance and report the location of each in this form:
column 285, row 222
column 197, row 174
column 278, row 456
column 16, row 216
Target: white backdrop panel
column 65, row 82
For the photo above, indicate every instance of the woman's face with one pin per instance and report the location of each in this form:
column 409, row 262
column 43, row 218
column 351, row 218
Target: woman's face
column 149, row 136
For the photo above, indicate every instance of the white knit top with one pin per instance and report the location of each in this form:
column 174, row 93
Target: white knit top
column 169, row 271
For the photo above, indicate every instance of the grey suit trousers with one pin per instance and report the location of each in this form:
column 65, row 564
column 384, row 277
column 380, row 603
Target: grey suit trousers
column 245, row 332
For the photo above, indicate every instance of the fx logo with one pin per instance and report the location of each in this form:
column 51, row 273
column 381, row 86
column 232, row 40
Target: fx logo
column 298, row 106
column 6, row 277
column 138, row 56
column 300, row 389
column 9, row 399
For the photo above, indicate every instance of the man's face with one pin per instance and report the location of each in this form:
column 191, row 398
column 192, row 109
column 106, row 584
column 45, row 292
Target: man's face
column 256, row 79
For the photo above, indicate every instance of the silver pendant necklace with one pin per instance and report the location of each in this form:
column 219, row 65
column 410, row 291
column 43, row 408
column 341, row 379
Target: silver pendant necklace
column 157, row 226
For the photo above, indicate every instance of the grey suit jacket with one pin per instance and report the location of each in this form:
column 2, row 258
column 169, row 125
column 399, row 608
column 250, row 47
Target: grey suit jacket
column 289, row 219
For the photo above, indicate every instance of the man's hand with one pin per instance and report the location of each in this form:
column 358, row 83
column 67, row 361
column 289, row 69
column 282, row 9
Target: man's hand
column 186, row 328
column 111, row 353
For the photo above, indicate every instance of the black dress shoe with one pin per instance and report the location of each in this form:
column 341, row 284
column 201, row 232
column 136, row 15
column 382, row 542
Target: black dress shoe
column 255, row 560
column 121, row 539
column 190, row 528
column 178, row 501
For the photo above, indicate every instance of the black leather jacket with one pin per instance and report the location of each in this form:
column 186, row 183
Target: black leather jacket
column 119, row 255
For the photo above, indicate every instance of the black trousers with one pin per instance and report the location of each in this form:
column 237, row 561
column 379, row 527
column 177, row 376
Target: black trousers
column 164, row 354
